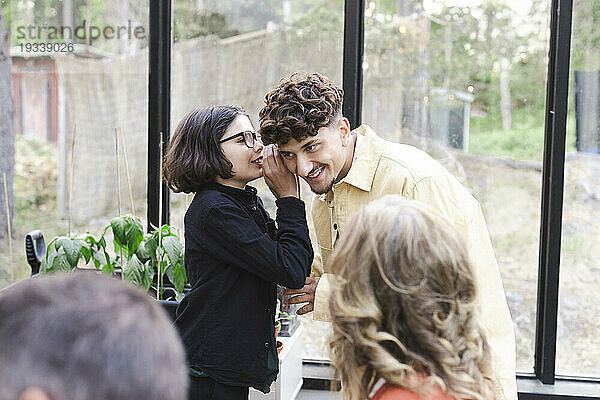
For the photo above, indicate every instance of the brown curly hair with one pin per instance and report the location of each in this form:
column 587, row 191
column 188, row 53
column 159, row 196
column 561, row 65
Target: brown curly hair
column 298, row 107
column 405, row 307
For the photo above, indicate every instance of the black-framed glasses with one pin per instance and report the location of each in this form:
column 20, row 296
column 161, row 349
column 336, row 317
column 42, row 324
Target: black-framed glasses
column 249, row 138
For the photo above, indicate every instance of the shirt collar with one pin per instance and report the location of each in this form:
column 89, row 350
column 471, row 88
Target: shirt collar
column 362, row 170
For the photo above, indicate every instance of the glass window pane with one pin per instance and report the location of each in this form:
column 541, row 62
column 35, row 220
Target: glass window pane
column 79, row 71
column 232, row 52
column 578, row 345
column 465, row 81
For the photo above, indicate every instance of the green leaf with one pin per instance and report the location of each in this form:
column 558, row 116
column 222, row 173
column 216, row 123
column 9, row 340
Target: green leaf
column 108, row 269
column 61, row 262
column 155, row 236
column 99, row 257
column 164, row 232
column 179, row 278
column 142, row 253
column 56, row 244
column 89, row 239
column 147, row 250
column 72, row 248
column 138, row 273
column 152, row 240
column 44, row 267
column 119, row 225
column 148, row 275
column 107, row 257
column 134, row 233
column 173, row 248
column 87, row 253
column 132, row 270
column 117, row 245
column 48, row 261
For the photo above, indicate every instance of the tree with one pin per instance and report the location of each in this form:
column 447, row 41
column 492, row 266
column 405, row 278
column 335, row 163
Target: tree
column 486, row 49
column 586, row 35
column 7, row 139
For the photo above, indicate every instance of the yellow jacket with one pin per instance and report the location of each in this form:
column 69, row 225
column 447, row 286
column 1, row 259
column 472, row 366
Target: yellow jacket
column 380, row 168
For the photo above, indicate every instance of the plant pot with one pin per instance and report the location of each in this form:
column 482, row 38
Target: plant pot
column 170, row 307
column 277, row 328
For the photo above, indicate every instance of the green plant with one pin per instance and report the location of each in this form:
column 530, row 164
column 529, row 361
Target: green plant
column 140, row 256
column 283, row 316
column 169, row 257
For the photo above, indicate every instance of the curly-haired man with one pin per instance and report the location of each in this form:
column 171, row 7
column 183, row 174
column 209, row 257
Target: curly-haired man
column 350, row 168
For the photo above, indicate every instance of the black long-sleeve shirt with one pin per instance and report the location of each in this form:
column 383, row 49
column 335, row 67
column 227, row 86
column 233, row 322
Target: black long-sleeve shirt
column 234, row 258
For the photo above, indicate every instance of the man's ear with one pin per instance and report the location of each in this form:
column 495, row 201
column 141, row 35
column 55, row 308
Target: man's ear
column 34, row 393
column 343, row 126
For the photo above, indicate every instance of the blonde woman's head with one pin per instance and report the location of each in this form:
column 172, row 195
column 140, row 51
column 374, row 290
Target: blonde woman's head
column 404, row 309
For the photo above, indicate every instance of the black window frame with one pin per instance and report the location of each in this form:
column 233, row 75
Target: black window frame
column 543, row 383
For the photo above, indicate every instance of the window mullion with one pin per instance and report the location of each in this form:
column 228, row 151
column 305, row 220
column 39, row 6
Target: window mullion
column 354, row 17
column 159, row 106
column 552, row 189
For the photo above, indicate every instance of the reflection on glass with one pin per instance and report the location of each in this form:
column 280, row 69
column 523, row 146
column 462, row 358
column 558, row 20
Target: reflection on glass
column 79, row 72
column 578, row 346
column 465, row 81
column 232, row 52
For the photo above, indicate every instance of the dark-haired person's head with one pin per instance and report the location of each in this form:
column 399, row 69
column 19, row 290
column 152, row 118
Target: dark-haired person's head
column 303, row 116
column 213, row 144
column 87, row 337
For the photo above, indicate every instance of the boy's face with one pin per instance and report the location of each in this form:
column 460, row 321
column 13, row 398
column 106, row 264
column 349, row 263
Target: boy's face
column 321, row 160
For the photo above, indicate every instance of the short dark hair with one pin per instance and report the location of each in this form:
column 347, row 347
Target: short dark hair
column 88, row 337
column 194, row 156
column 298, row 107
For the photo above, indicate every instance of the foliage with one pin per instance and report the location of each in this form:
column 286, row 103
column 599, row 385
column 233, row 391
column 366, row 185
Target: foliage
column 283, row 316
column 482, row 41
column 326, row 17
column 35, row 167
column 222, row 18
column 141, row 256
column 190, row 22
column 525, row 140
column 586, row 35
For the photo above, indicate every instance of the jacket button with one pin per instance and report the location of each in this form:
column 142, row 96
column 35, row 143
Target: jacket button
column 253, row 208
column 335, row 226
column 266, row 345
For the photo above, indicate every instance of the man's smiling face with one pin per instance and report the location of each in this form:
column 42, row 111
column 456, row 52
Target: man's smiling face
column 321, row 160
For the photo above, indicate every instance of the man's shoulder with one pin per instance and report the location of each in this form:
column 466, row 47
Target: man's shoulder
column 400, row 155
column 401, row 167
column 407, row 160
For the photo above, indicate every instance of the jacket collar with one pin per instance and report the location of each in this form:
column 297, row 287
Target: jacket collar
column 362, row 170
